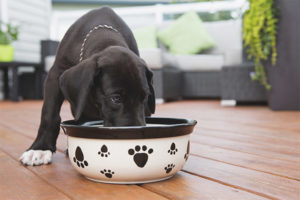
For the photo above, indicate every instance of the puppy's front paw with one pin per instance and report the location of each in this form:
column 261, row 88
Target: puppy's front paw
column 36, row 157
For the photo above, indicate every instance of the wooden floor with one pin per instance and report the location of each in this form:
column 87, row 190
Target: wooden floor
column 236, row 153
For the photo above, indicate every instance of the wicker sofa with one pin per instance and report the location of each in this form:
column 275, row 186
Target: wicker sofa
column 199, row 76
column 186, row 76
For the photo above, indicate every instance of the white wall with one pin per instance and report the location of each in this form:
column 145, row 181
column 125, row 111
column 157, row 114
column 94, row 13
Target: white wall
column 140, row 15
column 33, row 16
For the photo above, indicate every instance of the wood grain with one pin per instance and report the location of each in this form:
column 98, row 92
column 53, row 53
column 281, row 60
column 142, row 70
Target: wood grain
column 288, row 154
column 274, row 166
column 60, row 172
column 247, row 152
column 62, row 175
column 250, row 180
column 185, row 186
column 19, row 183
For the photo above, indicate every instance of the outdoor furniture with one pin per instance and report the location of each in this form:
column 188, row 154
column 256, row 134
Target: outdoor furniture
column 200, row 73
column 12, row 92
column 48, row 52
column 167, row 83
column 204, row 84
column 237, row 85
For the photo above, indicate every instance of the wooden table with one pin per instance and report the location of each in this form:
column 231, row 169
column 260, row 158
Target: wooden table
column 247, row 152
column 13, row 91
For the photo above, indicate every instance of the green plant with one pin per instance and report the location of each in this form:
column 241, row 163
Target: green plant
column 259, row 34
column 8, row 33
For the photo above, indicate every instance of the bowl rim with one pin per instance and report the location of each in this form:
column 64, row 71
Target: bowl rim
column 167, row 127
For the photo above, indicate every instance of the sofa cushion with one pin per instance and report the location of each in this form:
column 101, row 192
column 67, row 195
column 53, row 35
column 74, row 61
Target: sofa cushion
column 228, row 38
column 145, row 37
column 187, row 35
column 202, row 62
column 152, row 57
column 226, row 34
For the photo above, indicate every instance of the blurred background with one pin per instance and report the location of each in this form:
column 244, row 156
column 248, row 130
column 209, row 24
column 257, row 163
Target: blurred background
column 237, row 51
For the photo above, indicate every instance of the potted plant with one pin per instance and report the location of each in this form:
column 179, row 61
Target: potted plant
column 8, row 34
column 271, row 36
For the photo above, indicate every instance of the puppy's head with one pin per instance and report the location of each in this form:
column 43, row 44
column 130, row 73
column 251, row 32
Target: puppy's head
column 119, row 82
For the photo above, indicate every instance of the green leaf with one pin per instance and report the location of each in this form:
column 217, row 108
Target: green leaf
column 259, row 35
column 10, row 34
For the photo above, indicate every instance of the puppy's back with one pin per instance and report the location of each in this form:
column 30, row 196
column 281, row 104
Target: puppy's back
column 72, row 41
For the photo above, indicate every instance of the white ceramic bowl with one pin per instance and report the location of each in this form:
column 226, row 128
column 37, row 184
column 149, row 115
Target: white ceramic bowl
column 129, row 155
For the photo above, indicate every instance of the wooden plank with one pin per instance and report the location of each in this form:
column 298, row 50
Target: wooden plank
column 246, row 137
column 19, row 183
column 271, row 184
column 248, row 142
column 256, row 149
column 273, row 166
column 30, row 130
column 61, row 171
column 284, row 120
column 252, row 116
column 286, row 136
column 264, row 184
column 62, row 175
column 261, row 163
column 254, row 130
column 290, row 149
column 184, row 186
column 284, row 146
column 28, row 118
column 212, row 116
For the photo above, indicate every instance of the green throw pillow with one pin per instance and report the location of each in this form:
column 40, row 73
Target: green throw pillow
column 145, row 37
column 187, row 35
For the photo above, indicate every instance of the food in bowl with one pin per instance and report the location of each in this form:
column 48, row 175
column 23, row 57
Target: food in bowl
column 129, row 155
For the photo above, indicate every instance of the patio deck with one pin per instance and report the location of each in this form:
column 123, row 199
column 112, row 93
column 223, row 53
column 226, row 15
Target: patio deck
column 236, row 153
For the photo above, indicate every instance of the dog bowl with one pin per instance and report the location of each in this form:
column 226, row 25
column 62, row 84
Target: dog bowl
column 129, row 155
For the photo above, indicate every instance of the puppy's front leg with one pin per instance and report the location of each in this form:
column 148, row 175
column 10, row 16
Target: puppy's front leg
column 44, row 145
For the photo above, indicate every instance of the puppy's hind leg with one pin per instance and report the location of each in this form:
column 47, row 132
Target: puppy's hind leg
column 44, row 145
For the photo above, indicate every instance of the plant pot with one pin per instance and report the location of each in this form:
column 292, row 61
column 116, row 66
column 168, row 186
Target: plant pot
column 6, row 53
column 284, row 77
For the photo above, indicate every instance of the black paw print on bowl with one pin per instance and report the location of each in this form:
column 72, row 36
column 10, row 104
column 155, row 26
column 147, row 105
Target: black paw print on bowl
column 104, row 151
column 169, row 168
column 140, row 155
column 186, row 155
column 108, row 173
column 173, row 149
column 79, row 158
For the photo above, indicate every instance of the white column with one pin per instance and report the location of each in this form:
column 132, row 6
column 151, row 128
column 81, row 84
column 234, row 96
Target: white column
column 3, row 11
column 159, row 14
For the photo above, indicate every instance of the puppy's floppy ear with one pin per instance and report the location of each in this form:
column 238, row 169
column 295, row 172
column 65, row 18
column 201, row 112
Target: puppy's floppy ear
column 76, row 83
column 151, row 97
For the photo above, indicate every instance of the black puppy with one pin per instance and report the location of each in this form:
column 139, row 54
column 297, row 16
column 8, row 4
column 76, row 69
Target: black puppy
column 99, row 71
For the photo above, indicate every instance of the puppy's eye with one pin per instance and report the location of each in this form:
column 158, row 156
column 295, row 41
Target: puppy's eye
column 116, row 99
